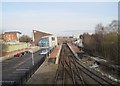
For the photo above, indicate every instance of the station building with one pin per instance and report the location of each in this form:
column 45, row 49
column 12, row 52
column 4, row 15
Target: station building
column 37, row 35
column 48, row 41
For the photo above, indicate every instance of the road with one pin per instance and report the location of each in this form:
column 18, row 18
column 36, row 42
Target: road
column 14, row 69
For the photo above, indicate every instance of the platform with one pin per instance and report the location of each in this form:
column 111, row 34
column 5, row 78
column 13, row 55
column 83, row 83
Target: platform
column 54, row 56
column 74, row 48
column 44, row 75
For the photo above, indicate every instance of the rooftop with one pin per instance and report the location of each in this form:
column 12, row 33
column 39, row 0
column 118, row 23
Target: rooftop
column 12, row 32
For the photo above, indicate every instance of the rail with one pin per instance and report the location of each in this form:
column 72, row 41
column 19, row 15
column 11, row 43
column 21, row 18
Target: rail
column 70, row 69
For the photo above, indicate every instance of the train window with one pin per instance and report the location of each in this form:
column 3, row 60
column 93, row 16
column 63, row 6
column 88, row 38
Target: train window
column 53, row 38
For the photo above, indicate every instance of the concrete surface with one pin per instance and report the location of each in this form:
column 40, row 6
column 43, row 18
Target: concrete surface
column 45, row 74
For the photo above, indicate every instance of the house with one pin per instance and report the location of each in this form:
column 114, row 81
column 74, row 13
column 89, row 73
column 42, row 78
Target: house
column 10, row 36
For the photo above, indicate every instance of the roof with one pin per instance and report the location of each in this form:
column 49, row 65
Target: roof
column 34, row 31
column 55, row 52
column 48, row 36
column 12, row 32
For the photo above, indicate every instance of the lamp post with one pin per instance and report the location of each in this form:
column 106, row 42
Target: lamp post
column 32, row 58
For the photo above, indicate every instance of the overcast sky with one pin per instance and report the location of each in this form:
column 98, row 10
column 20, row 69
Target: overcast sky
column 59, row 18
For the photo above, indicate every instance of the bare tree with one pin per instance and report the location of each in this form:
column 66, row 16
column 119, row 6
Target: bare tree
column 25, row 38
column 99, row 29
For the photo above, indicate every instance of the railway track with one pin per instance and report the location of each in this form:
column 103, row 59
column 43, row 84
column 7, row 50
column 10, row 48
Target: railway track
column 71, row 71
column 66, row 73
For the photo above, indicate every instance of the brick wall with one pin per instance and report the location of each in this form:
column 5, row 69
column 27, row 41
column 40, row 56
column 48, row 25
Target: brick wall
column 65, row 39
column 38, row 35
column 9, row 36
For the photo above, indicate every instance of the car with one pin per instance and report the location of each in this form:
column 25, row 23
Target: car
column 18, row 55
column 27, row 51
column 23, row 53
column 45, row 51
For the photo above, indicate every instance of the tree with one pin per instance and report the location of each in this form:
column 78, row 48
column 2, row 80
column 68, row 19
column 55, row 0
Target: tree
column 114, row 26
column 25, row 38
column 99, row 29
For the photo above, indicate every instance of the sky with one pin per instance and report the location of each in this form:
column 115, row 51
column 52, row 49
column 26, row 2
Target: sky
column 59, row 18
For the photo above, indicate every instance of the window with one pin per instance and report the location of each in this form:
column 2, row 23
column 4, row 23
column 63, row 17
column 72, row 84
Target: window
column 44, row 42
column 53, row 38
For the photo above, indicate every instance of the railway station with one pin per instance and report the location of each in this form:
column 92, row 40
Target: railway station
column 54, row 63
column 69, row 70
column 60, row 43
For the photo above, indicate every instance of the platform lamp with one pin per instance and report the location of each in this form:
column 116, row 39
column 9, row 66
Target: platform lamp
column 32, row 57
